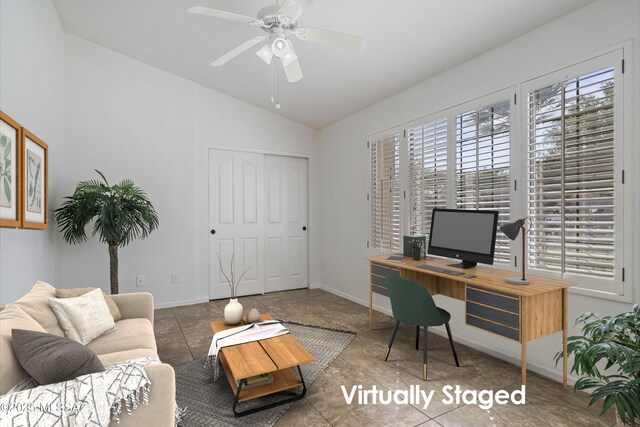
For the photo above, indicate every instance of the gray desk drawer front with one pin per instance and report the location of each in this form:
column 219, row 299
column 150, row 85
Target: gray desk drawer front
column 380, row 290
column 380, row 281
column 493, row 327
column 384, row 271
column 486, row 297
column 489, row 313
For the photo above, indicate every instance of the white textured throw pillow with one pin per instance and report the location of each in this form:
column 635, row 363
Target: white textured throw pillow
column 83, row 318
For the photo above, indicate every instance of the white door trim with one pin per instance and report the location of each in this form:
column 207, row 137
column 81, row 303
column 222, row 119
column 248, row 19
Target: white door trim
column 258, row 151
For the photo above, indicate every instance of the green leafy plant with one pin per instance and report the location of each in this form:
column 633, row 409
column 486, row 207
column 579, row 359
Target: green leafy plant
column 122, row 213
column 612, row 341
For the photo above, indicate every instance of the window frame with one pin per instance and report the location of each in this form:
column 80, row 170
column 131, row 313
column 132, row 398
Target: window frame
column 506, row 94
column 391, row 132
column 615, row 289
column 625, row 159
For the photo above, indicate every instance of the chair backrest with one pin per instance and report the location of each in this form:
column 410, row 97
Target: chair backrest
column 412, row 303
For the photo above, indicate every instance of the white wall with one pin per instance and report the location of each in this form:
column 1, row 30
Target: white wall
column 132, row 120
column 344, row 156
column 32, row 93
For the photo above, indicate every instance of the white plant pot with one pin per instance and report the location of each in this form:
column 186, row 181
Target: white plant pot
column 233, row 312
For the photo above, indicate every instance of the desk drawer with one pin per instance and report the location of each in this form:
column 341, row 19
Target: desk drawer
column 501, row 300
column 382, row 290
column 384, row 271
column 505, row 331
column 379, row 274
column 494, row 314
column 493, row 311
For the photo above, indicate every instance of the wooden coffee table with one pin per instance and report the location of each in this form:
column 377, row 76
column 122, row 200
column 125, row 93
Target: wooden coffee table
column 278, row 356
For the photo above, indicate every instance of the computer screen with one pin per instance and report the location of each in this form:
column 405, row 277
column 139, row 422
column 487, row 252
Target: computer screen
column 467, row 235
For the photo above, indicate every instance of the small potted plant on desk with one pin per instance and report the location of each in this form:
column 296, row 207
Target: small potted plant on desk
column 616, row 341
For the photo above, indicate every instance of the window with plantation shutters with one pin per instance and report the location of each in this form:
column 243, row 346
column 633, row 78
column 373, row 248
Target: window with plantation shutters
column 385, row 192
column 571, row 176
column 427, row 145
column 483, row 166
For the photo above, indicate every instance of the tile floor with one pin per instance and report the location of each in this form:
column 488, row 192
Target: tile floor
column 183, row 334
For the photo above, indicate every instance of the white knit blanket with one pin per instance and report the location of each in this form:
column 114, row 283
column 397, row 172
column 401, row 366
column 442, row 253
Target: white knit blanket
column 240, row 335
column 89, row 400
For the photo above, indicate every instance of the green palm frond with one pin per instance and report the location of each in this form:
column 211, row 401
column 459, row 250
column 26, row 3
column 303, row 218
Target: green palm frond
column 122, row 212
column 612, row 341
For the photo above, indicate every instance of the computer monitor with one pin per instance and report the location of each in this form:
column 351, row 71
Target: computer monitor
column 467, row 235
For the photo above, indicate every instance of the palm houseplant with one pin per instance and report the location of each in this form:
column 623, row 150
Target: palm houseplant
column 607, row 358
column 122, row 213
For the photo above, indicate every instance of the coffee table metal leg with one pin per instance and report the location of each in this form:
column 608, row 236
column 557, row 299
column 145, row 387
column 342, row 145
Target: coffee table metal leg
column 268, row 405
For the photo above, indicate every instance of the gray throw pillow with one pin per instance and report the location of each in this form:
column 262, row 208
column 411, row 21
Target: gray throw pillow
column 52, row 359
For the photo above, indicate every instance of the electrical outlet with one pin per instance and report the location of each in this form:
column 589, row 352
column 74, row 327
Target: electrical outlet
column 140, row 281
column 175, row 278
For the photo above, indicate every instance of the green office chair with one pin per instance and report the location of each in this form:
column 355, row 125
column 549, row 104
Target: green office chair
column 412, row 304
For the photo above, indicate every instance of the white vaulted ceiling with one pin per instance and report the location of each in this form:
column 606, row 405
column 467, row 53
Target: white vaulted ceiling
column 408, row 41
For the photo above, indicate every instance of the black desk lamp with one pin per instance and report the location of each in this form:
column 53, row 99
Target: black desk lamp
column 512, row 230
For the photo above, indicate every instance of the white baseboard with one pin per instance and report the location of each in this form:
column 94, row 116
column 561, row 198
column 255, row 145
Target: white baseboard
column 180, row 303
column 315, row 286
column 545, row 371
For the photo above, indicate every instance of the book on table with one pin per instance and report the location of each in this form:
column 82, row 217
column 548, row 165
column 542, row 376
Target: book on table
column 256, row 381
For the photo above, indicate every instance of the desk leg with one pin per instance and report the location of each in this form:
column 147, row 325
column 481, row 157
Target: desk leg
column 370, row 308
column 523, row 362
column 565, row 333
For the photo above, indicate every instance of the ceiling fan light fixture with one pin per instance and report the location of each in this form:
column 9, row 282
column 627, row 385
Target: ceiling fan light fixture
column 266, row 54
column 288, row 58
column 279, row 47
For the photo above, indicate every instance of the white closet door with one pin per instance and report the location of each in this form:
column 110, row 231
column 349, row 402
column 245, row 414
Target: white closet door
column 286, row 223
column 236, row 219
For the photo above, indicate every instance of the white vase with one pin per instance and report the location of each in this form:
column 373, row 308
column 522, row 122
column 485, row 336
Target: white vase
column 233, row 312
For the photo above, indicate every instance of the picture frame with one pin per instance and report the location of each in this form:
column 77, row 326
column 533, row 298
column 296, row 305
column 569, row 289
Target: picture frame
column 35, row 185
column 10, row 172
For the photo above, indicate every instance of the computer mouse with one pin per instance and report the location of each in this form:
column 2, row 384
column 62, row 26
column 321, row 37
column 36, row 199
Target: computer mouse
column 469, row 276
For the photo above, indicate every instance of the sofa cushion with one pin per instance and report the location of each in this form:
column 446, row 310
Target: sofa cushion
column 130, row 334
column 122, row 356
column 83, row 318
column 11, row 373
column 36, row 304
column 76, row 292
column 52, row 359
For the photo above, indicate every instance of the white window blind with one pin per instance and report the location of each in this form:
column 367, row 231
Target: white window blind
column 385, row 192
column 571, row 176
column 427, row 145
column 483, row 165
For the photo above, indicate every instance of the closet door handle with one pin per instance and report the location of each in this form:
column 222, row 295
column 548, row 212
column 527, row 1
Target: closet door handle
column 304, row 228
column 213, row 231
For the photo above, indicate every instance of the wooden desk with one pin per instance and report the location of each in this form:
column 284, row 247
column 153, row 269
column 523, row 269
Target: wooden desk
column 517, row 312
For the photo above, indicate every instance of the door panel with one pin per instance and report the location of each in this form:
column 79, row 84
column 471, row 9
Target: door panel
column 286, row 204
column 258, row 209
column 236, row 204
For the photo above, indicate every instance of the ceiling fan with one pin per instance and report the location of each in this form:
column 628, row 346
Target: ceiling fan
column 278, row 24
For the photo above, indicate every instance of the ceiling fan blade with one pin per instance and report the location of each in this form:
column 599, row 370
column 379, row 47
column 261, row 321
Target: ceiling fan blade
column 331, row 38
column 237, row 51
column 223, row 14
column 294, row 8
column 293, row 71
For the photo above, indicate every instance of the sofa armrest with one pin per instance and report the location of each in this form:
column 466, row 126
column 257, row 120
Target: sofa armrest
column 135, row 305
column 161, row 410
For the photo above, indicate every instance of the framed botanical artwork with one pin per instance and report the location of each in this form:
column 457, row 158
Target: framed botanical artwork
column 10, row 172
column 35, row 187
